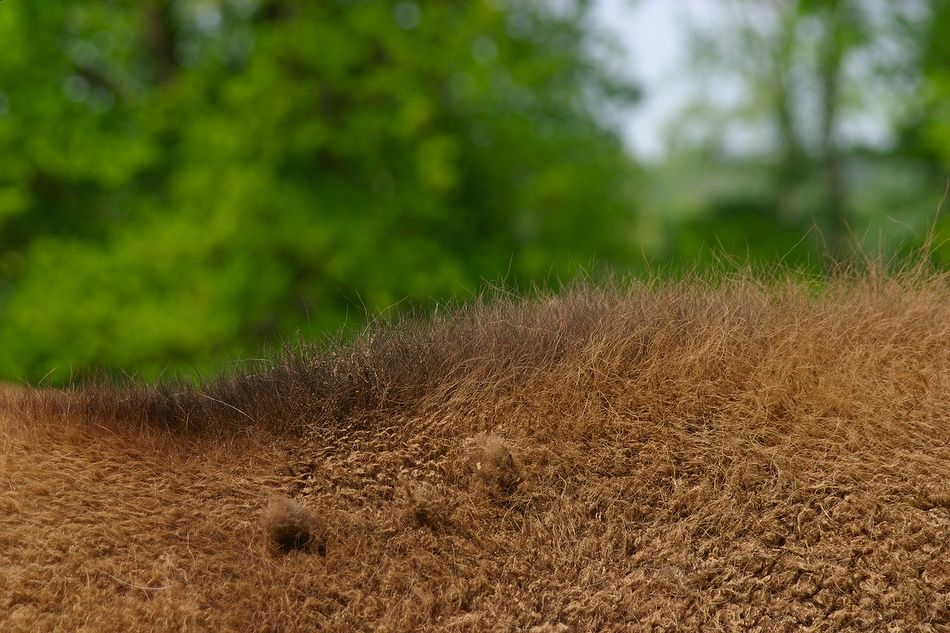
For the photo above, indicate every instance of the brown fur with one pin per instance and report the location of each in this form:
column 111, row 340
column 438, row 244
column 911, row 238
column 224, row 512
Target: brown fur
column 695, row 456
column 292, row 526
column 491, row 462
column 427, row 506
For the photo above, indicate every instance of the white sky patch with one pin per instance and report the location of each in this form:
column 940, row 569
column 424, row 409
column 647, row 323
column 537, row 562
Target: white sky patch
column 653, row 35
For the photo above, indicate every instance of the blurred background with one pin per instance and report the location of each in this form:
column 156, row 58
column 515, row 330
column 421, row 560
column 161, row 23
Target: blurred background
column 186, row 183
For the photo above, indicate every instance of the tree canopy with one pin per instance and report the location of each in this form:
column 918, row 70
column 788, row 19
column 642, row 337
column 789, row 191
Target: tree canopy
column 181, row 181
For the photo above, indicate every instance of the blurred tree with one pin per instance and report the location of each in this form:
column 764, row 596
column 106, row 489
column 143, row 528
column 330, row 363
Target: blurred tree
column 806, row 79
column 181, row 180
column 924, row 134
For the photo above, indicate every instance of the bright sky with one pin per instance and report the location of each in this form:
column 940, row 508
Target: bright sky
column 653, row 33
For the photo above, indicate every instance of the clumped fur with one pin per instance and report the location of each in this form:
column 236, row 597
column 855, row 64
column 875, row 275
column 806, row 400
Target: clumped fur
column 292, row 526
column 730, row 455
column 490, row 460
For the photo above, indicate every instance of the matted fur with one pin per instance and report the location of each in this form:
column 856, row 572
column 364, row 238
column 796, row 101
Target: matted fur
column 292, row 526
column 492, row 464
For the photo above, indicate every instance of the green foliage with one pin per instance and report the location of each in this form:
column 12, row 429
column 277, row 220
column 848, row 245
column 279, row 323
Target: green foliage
column 182, row 181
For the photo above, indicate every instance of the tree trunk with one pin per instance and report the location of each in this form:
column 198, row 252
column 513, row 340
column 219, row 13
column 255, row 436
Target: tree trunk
column 160, row 39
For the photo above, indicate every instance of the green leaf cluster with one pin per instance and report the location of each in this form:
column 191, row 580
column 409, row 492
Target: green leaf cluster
column 182, row 181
